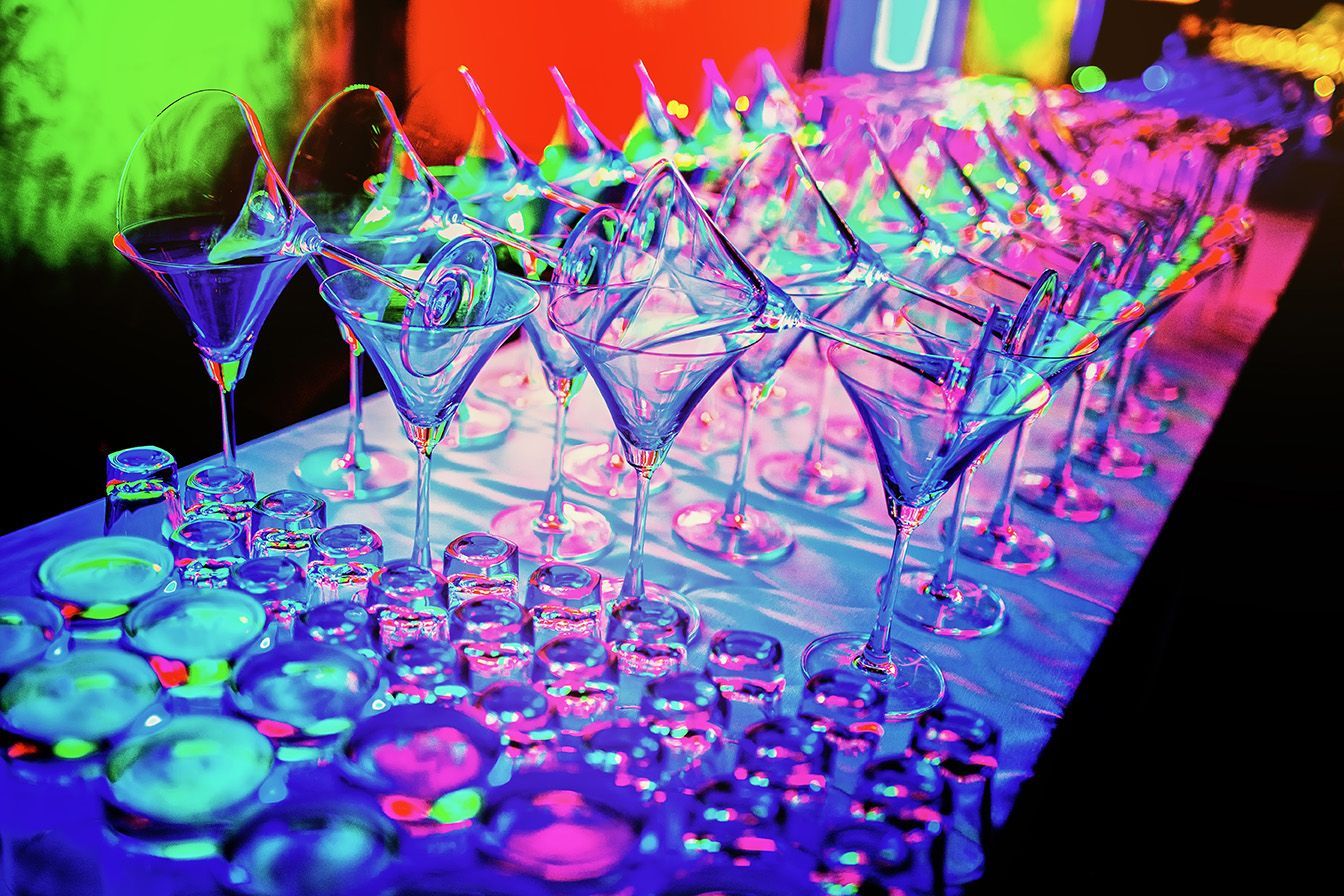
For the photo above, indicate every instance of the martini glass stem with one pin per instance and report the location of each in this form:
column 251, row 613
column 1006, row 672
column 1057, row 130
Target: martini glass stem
column 633, row 584
column 1002, row 516
column 354, row 437
column 735, row 505
column 553, row 505
column 1109, row 430
column 424, row 438
column 1063, row 473
column 876, row 653
column 226, row 420
column 945, row 573
column 816, row 448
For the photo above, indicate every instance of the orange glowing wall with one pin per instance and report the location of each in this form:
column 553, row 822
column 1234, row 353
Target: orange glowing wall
column 509, row 45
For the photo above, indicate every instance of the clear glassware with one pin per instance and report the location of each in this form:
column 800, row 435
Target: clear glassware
column 648, row 639
column 688, row 712
column 284, row 523
column 205, row 550
column 425, row 672
column 929, row 418
column 793, row 758
column 906, row 792
column 95, row 582
column 733, row 819
column 565, row 599
column 964, row 746
column 362, row 184
column 280, row 586
column 463, row 586
column 427, row 766
column 318, row 842
column 862, row 856
column 626, row 750
column 202, row 209
column 303, row 695
column 142, row 493
column 428, row 356
column 553, row 528
column 577, row 674
column 31, row 629
column 344, row 558
column 748, row 668
column 223, row 492
column 493, row 636
column 340, row 622
column 483, row 554
column 524, row 717
column 193, row 637
column 850, row 711
column 407, row 602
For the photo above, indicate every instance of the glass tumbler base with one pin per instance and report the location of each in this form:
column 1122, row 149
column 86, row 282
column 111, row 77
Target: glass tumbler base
column 913, row 682
column 1069, row 500
column 587, row 535
column 1017, row 548
column 611, row 592
column 594, row 469
column 964, row 609
column 754, row 537
column 1116, row 459
column 484, row 426
column 376, row 473
column 819, row 483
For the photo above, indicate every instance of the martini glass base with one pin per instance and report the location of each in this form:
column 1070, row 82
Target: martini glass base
column 484, row 426
column 782, row 403
column 753, row 537
column 376, row 473
column 1017, row 548
column 913, row 682
column 586, row 535
column 964, row 609
column 1115, row 459
column 849, row 436
column 819, row 483
column 1156, row 386
column 594, row 469
column 611, row 592
column 1069, row 500
column 521, row 389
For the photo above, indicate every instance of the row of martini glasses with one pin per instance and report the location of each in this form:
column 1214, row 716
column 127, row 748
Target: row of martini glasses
column 652, row 299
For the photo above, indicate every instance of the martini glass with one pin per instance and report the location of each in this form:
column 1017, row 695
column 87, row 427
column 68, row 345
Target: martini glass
column 428, row 353
column 649, row 382
column 553, row 528
column 364, row 188
column 202, row 210
column 1052, row 346
column 774, row 213
column 929, row 417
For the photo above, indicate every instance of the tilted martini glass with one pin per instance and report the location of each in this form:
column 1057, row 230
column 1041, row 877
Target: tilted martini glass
column 929, row 417
column 429, row 351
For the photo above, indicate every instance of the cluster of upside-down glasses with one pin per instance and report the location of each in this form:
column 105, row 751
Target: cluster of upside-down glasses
column 954, row 251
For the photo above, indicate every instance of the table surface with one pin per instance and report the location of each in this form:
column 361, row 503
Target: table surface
column 1022, row 677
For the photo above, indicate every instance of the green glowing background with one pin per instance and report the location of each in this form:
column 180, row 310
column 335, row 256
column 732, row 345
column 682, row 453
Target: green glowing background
column 80, row 78
column 1027, row 38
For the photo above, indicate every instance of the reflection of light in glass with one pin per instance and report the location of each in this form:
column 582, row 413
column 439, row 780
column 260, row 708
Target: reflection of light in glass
column 1088, row 79
column 903, row 33
column 1155, row 77
column 1324, row 87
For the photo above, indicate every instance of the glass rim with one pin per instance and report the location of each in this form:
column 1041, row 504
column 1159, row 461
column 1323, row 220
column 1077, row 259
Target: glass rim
column 343, row 311
column 1043, row 389
column 568, row 332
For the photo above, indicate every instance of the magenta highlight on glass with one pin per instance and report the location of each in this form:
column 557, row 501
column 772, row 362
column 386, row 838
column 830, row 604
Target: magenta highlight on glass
column 344, row 558
column 142, row 496
column 408, row 603
column 284, row 523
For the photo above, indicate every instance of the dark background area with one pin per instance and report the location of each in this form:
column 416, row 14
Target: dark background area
column 1180, row 762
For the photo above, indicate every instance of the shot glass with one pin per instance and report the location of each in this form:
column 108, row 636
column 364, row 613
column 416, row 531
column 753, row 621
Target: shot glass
column 791, row 757
column 284, row 523
column 850, row 711
column 280, row 586
column 462, row 586
column 482, row 554
column 648, row 639
column 862, row 857
column 142, row 493
column 493, row 636
column 221, row 493
column 687, row 711
column 425, row 672
column 578, row 677
column 206, row 549
column 340, row 622
column 629, row 752
column 565, row 599
column 523, row 717
column 748, row 668
column 964, row 746
column 344, row 558
column 905, row 792
column 95, row 582
column 730, row 819
column 407, row 602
